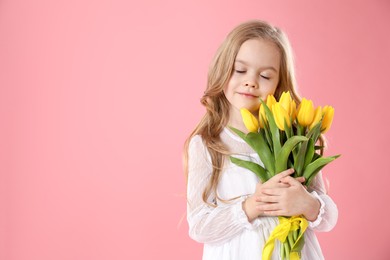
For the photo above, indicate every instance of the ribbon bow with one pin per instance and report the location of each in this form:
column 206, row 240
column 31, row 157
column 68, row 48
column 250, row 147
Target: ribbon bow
column 281, row 232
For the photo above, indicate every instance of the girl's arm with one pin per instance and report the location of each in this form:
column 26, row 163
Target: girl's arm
column 208, row 224
column 294, row 200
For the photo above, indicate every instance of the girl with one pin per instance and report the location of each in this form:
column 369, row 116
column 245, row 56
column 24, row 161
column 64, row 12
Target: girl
column 229, row 209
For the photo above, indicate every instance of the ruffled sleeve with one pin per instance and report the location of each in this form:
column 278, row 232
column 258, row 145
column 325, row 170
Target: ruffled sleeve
column 328, row 214
column 208, row 224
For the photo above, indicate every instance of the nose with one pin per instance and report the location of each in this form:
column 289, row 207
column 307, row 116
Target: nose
column 251, row 83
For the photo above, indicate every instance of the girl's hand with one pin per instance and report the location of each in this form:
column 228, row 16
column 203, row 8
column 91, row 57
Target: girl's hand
column 250, row 205
column 288, row 201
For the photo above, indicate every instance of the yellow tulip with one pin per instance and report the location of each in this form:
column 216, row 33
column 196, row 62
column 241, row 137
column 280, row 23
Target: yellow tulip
column 250, row 121
column 317, row 117
column 293, row 110
column 328, row 113
column 305, row 112
column 262, row 116
column 270, row 101
column 285, row 100
column 281, row 116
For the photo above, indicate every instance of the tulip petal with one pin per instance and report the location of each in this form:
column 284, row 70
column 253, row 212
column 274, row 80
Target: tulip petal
column 281, row 116
column 250, row 121
column 317, row 117
column 272, row 126
column 285, row 100
column 328, row 113
column 306, row 112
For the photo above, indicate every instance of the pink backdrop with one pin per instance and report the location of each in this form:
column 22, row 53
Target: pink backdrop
column 97, row 98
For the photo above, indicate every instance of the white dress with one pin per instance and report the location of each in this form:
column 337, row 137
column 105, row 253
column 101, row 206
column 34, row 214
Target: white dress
column 225, row 229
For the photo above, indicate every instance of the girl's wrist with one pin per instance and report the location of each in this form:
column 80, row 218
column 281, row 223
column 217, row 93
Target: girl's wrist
column 313, row 209
column 249, row 210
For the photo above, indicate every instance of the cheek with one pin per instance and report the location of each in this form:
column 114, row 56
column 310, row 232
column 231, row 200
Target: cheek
column 229, row 88
column 271, row 88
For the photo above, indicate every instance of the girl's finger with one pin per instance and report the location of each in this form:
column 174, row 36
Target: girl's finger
column 285, row 173
column 290, row 180
column 267, row 199
column 273, row 192
column 268, row 207
column 282, row 185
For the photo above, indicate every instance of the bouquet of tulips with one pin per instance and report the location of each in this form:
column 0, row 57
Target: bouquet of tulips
column 285, row 136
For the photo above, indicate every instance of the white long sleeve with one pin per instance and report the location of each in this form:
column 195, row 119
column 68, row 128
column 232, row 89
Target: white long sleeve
column 210, row 224
column 328, row 215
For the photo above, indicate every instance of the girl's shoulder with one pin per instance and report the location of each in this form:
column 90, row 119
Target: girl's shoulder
column 197, row 147
column 196, row 143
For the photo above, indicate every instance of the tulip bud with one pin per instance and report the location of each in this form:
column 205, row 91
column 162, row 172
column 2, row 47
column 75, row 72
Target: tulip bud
column 270, row 101
column 293, row 110
column 250, row 121
column 281, row 116
column 328, row 113
column 317, row 117
column 305, row 112
column 285, row 100
column 262, row 116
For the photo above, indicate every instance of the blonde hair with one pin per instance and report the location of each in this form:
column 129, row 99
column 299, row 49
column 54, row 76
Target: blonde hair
column 217, row 106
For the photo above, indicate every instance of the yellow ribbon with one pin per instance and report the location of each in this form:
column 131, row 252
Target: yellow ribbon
column 281, row 232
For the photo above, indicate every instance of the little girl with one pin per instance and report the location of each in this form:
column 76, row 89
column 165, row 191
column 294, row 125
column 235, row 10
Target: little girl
column 229, row 209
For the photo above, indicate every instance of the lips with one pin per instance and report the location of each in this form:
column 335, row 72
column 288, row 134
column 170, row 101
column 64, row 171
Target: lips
column 248, row 95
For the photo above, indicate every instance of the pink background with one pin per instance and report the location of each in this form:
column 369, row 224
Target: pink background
column 97, row 98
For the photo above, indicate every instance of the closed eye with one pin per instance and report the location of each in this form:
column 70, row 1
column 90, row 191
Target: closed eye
column 240, row 71
column 264, row 77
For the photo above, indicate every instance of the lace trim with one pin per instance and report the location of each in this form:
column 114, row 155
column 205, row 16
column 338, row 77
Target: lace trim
column 315, row 223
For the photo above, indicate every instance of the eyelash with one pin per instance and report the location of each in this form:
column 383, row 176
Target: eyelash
column 243, row 71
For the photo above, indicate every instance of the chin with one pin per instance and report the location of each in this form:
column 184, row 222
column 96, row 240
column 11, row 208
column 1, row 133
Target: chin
column 251, row 107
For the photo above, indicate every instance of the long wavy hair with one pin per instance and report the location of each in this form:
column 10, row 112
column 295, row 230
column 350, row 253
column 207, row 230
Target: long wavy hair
column 214, row 100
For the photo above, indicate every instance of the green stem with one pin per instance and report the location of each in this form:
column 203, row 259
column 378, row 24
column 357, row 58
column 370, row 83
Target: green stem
column 291, row 239
column 287, row 248
column 295, row 235
column 282, row 252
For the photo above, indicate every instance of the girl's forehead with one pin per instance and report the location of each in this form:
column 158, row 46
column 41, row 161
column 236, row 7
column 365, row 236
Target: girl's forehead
column 259, row 53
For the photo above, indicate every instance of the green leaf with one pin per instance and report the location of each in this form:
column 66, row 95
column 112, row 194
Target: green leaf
column 298, row 244
column 300, row 129
column 287, row 129
column 315, row 132
column 315, row 157
column 282, row 156
column 268, row 137
column 273, row 128
column 314, row 167
column 258, row 143
column 254, row 167
column 300, row 158
column 309, row 153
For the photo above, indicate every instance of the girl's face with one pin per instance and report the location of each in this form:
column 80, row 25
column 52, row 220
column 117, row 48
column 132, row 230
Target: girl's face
column 255, row 75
